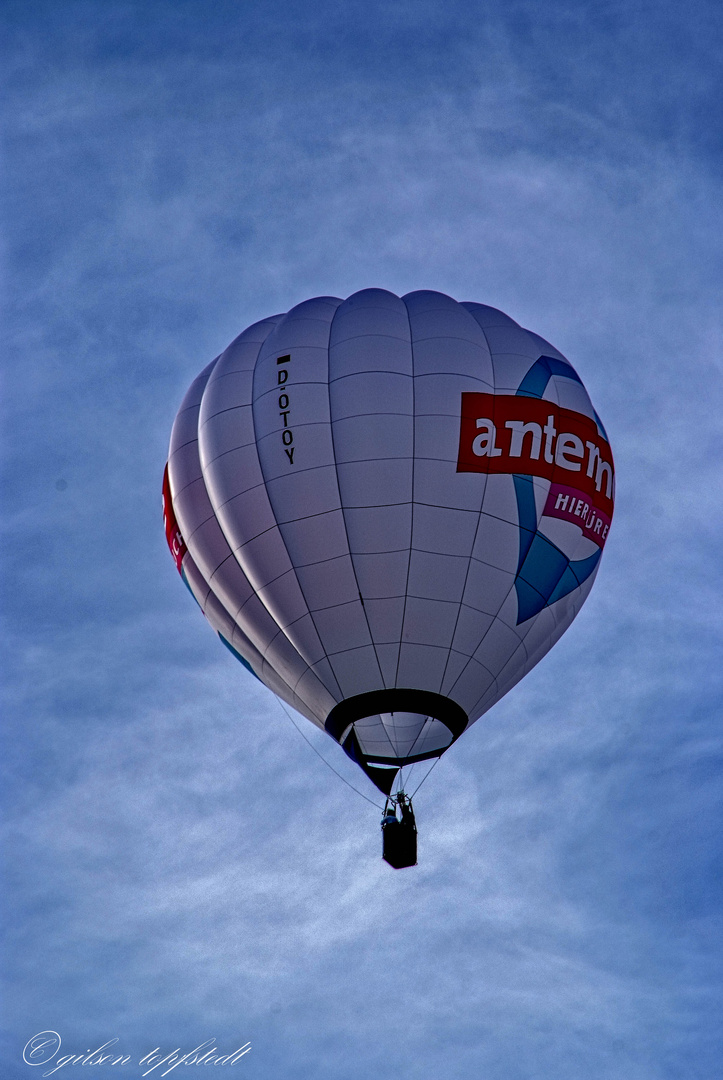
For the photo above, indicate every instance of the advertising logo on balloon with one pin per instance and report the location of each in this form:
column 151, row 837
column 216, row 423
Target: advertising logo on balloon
column 176, row 543
column 527, row 436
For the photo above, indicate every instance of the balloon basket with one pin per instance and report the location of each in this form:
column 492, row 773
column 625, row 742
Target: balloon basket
column 399, row 846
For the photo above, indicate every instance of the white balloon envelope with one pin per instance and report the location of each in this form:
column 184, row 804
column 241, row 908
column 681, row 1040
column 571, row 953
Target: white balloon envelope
column 389, row 510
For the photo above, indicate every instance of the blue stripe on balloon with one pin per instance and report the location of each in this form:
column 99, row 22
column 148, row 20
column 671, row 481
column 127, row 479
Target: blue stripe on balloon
column 535, row 381
column 574, row 575
column 526, row 515
column 544, row 573
column 184, row 579
column 599, row 423
column 238, row 656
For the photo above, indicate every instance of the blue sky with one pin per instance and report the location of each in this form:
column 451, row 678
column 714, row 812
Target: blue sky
column 179, row 864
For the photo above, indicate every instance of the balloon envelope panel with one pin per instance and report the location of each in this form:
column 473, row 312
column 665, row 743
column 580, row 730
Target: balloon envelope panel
column 390, row 509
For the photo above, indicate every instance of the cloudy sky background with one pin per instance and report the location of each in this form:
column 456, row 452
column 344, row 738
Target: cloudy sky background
column 179, row 864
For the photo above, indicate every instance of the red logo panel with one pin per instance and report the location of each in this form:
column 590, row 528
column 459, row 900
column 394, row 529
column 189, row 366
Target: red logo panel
column 176, row 543
column 507, row 433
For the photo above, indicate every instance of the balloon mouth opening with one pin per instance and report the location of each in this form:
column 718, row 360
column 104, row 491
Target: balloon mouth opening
column 400, row 738
column 396, row 727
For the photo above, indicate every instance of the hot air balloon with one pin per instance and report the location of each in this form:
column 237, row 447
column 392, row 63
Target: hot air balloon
column 389, row 509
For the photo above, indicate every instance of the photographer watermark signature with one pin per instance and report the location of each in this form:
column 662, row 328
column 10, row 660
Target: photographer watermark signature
column 44, row 1049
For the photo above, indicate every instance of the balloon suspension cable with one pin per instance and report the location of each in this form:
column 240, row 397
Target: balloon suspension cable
column 328, row 765
column 405, row 781
column 436, row 762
